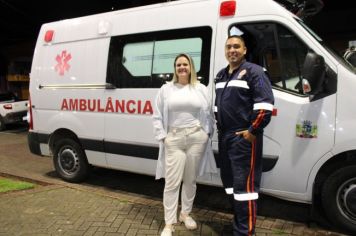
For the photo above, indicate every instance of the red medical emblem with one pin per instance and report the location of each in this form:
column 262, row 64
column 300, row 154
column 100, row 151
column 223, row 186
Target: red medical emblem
column 62, row 61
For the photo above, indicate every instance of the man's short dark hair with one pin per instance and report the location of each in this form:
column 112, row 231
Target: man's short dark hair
column 236, row 37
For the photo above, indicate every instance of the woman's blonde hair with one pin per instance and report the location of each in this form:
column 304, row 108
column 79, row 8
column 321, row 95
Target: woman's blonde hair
column 193, row 75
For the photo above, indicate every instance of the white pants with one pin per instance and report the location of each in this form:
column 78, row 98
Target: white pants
column 184, row 149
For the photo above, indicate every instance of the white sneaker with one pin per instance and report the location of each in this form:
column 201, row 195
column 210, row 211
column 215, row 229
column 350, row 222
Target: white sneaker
column 188, row 222
column 167, row 231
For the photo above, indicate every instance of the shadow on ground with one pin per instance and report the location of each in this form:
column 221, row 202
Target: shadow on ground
column 210, row 197
column 16, row 128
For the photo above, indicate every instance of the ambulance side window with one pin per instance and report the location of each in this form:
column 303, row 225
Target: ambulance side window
column 146, row 60
column 278, row 50
column 137, row 58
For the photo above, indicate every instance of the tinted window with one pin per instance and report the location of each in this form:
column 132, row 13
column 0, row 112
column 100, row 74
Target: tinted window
column 146, row 60
column 278, row 50
column 7, row 97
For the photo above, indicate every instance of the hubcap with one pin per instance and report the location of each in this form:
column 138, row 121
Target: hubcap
column 346, row 199
column 68, row 161
column 350, row 199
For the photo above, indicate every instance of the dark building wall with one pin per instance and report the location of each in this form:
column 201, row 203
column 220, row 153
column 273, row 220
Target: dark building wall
column 335, row 23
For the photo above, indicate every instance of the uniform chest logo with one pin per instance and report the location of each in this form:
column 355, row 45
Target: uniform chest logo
column 241, row 74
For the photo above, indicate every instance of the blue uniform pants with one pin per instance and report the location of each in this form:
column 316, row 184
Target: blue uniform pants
column 241, row 169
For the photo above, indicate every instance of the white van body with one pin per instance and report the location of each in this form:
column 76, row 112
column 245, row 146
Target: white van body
column 79, row 91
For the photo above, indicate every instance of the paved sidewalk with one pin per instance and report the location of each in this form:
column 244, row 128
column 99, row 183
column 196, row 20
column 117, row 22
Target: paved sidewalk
column 80, row 210
column 60, row 208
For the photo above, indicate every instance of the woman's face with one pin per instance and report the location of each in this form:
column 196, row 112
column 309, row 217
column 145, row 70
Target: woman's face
column 182, row 68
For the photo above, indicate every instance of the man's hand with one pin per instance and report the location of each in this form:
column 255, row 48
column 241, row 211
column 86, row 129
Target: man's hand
column 246, row 135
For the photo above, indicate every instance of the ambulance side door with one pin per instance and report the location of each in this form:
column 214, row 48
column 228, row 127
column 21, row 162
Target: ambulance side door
column 302, row 128
column 139, row 64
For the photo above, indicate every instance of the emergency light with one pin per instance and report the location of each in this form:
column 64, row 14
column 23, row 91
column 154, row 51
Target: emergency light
column 227, row 8
column 49, row 36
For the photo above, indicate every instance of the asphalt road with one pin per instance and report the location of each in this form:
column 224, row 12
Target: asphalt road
column 23, row 163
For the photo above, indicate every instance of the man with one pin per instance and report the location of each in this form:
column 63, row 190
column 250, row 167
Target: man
column 244, row 104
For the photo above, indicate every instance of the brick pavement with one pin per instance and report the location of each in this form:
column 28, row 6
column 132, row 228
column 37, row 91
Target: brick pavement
column 59, row 208
column 82, row 210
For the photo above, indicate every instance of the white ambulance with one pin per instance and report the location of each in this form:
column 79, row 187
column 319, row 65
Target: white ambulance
column 94, row 80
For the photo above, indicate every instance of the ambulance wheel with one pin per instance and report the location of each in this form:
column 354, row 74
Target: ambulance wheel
column 70, row 161
column 339, row 198
column 2, row 124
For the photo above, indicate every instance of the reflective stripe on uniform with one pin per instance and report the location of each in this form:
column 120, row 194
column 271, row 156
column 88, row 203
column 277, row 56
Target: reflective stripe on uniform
column 245, row 196
column 233, row 83
column 263, row 105
column 238, row 83
column 229, row 190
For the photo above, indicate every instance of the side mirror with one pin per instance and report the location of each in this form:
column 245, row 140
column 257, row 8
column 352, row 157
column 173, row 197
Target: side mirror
column 313, row 73
column 350, row 55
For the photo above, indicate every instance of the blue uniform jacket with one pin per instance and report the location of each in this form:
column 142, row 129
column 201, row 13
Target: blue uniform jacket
column 244, row 99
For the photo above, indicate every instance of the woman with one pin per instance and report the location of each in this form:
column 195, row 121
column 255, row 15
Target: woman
column 183, row 124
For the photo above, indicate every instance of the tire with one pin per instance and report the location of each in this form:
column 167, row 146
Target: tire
column 2, row 124
column 338, row 198
column 70, row 161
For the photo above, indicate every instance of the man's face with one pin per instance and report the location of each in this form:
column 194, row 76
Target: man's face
column 235, row 51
